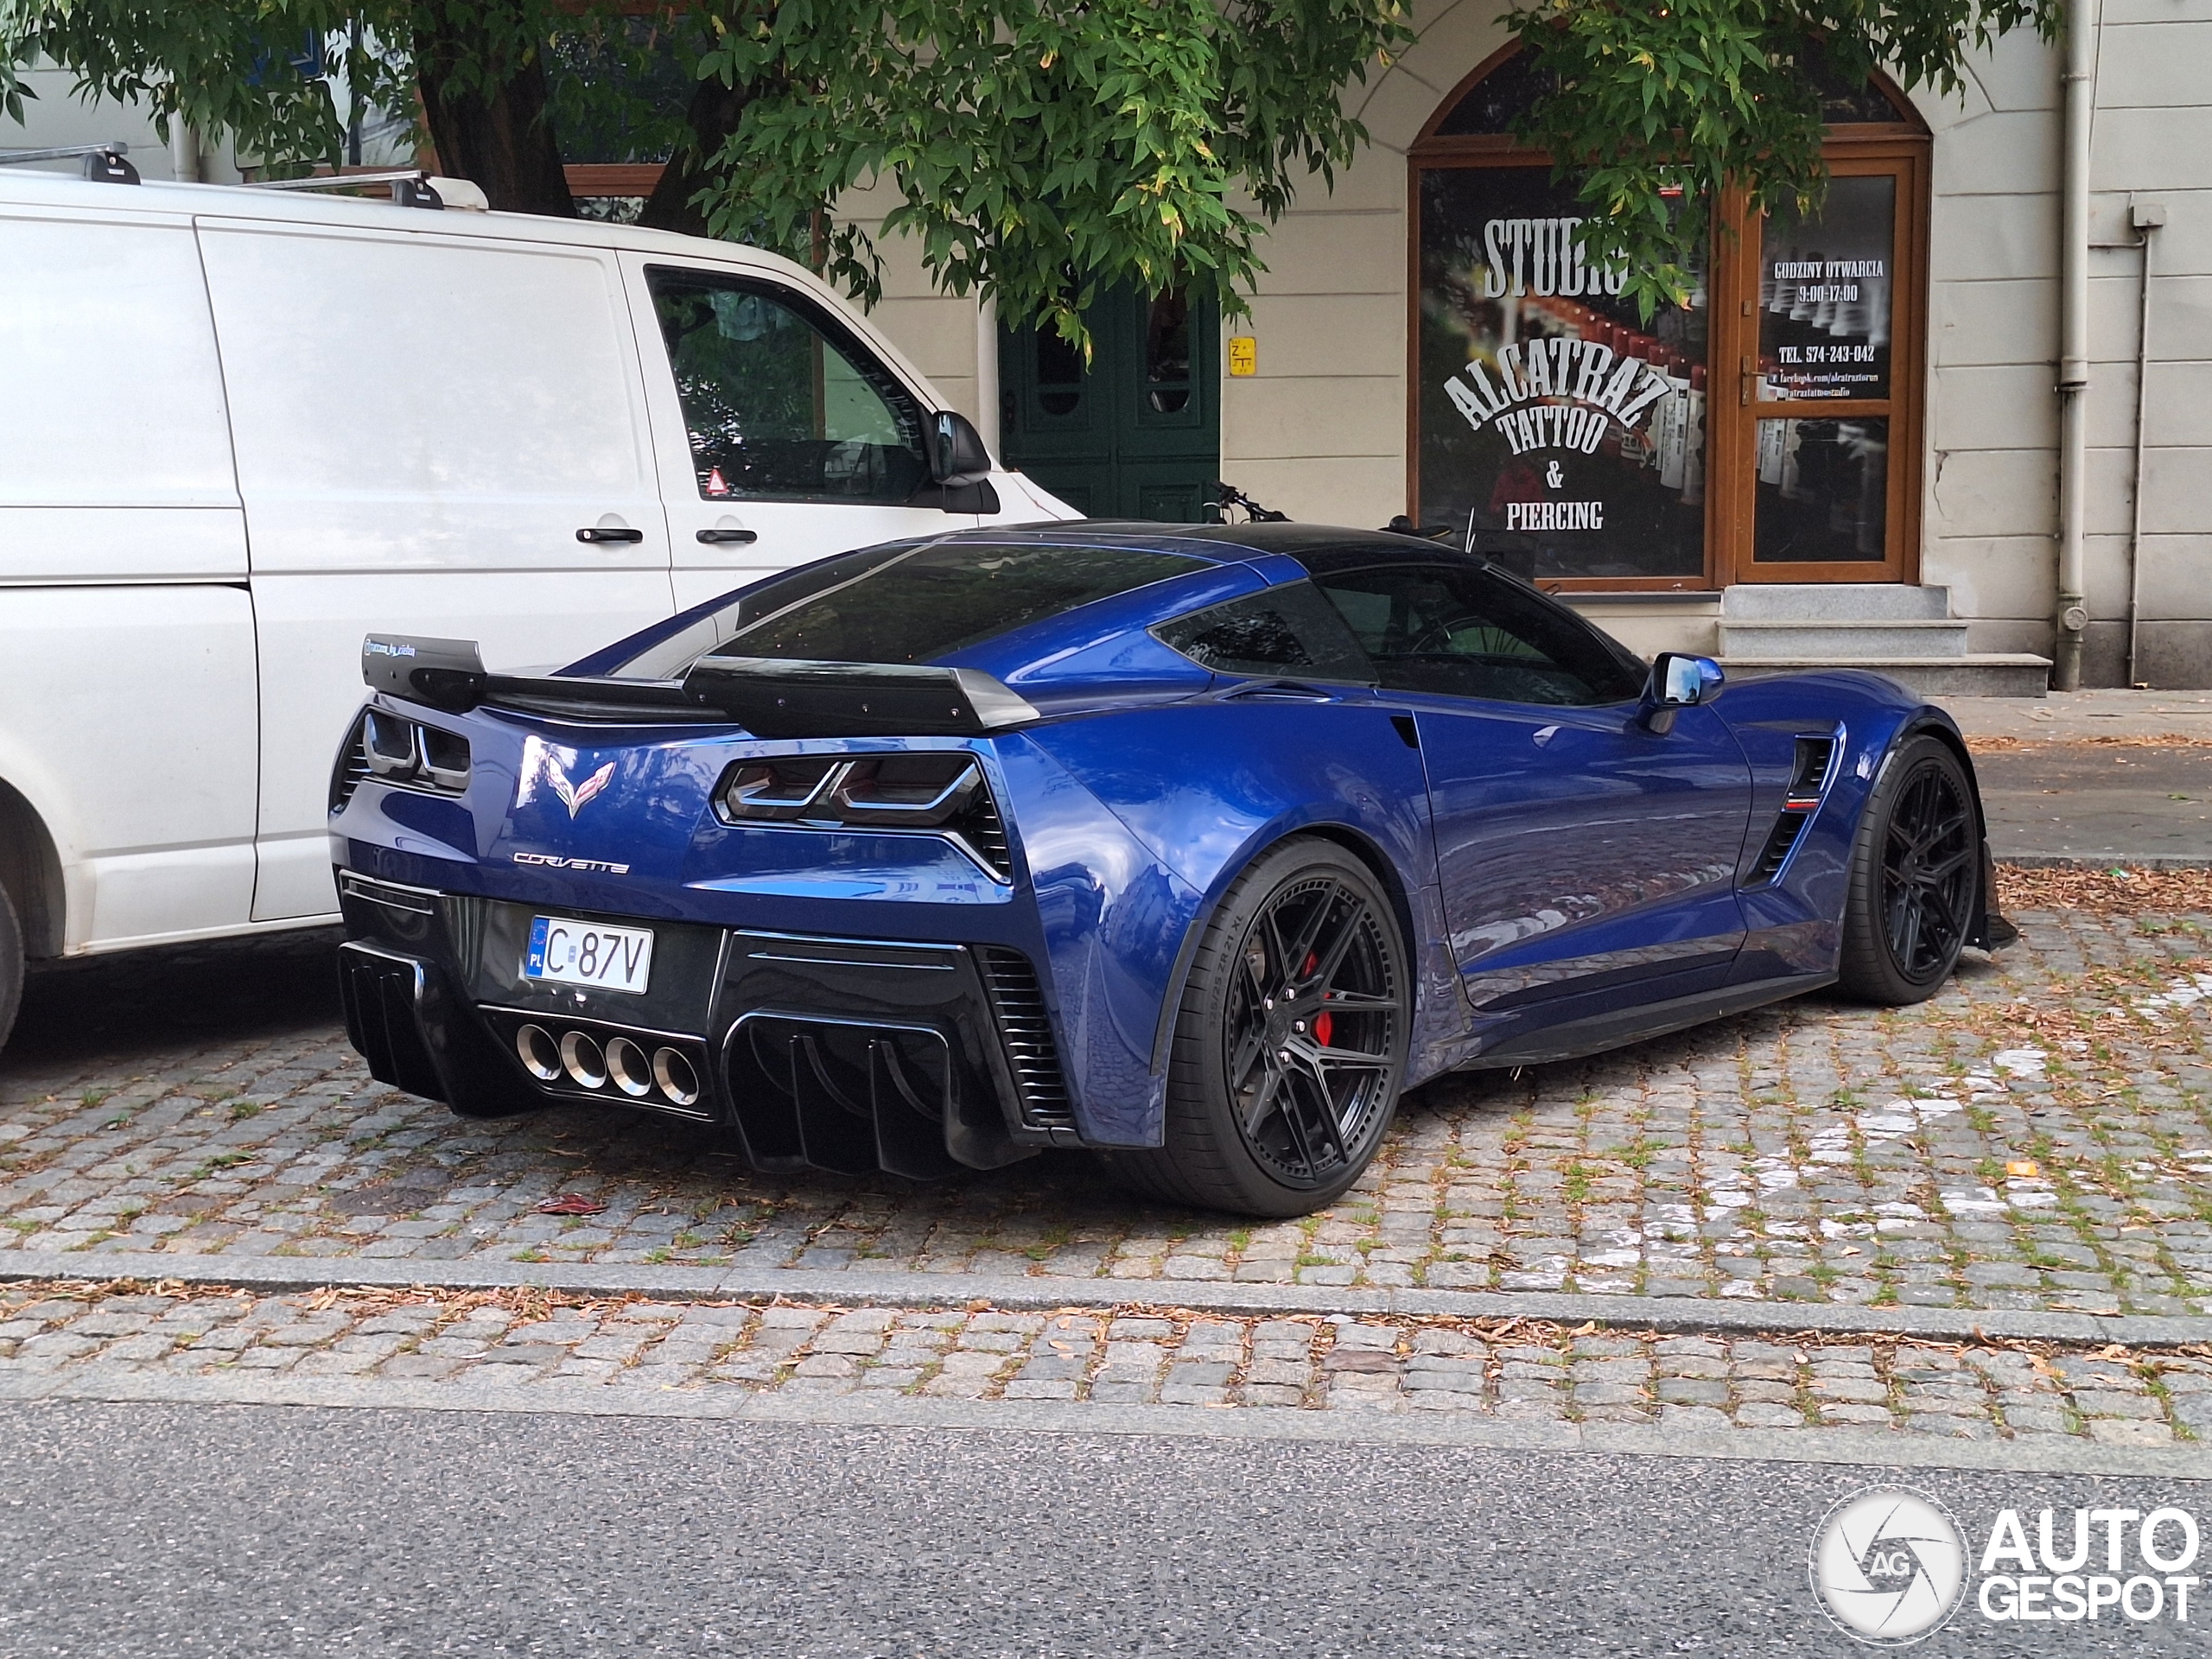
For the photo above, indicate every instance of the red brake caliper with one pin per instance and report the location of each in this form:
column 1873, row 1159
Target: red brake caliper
column 1324, row 1021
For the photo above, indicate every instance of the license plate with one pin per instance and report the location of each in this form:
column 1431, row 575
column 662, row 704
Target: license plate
column 571, row 953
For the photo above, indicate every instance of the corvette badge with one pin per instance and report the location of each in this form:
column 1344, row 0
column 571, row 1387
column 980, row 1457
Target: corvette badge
column 541, row 760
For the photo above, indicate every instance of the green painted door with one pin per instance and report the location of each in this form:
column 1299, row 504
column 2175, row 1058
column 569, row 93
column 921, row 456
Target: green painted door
column 1135, row 436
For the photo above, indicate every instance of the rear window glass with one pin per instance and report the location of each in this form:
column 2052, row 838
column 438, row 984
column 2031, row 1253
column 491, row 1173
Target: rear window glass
column 905, row 605
column 1288, row 631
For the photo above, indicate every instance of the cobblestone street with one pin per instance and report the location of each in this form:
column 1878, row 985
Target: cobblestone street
column 1513, row 1371
column 2036, row 1137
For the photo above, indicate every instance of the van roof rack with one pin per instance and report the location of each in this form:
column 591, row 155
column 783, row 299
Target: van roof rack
column 411, row 186
column 103, row 163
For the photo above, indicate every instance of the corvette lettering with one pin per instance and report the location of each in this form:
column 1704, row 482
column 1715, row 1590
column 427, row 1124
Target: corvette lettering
column 550, row 862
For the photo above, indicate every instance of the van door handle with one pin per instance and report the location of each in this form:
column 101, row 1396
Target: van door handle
column 618, row 533
column 714, row 537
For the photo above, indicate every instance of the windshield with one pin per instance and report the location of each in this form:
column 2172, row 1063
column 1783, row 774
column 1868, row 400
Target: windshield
column 904, row 604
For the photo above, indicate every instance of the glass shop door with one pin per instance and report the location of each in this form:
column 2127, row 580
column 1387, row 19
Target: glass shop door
column 1829, row 359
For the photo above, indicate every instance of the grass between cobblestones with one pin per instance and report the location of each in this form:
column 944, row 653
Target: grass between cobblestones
column 2037, row 1136
column 1503, row 1369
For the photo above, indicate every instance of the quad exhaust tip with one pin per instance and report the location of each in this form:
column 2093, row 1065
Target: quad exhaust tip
column 581, row 1058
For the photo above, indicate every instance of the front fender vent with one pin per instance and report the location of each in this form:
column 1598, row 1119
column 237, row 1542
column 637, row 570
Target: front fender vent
column 1808, row 780
column 1781, row 841
column 1026, row 1030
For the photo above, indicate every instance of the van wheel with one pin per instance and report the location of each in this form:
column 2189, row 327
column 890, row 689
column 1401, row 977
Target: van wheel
column 1289, row 1044
column 11, row 966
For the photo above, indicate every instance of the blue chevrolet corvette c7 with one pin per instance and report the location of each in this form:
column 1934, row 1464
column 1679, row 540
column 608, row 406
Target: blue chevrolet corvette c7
column 1191, row 846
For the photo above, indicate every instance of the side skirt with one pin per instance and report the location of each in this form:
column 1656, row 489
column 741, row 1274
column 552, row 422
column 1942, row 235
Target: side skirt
column 1598, row 1032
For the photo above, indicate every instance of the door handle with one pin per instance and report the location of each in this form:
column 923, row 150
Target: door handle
column 714, row 537
column 617, row 533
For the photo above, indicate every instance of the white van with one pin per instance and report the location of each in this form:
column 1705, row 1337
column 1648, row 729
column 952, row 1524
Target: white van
column 240, row 428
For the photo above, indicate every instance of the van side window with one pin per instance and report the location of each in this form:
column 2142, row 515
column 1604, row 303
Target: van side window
column 778, row 402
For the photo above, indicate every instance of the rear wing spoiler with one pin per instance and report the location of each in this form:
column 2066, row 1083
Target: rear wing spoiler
column 445, row 673
column 768, row 697
column 774, row 697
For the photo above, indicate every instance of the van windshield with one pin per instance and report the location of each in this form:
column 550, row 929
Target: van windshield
column 903, row 604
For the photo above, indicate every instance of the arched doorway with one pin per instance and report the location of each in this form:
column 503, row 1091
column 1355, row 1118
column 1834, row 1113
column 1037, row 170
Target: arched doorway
column 1768, row 430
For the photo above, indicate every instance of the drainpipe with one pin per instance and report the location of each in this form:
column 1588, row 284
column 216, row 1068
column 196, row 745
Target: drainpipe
column 2147, row 216
column 2081, row 84
column 184, row 151
column 987, row 373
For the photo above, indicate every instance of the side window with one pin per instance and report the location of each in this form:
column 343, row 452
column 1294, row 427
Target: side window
column 1288, row 631
column 781, row 404
column 1469, row 632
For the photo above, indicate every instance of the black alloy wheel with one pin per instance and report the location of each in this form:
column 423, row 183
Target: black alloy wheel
column 1915, row 877
column 1310, row 1037
column 1290, row 1041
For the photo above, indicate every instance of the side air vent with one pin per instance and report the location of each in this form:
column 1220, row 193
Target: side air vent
column 1816, row 755
column 1808, row 776
column 353, row 766
column 1026, row 1030
column 985, row 832
column 1779, row 842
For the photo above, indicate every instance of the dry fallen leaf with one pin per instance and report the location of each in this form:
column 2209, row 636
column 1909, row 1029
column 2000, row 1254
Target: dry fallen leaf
column 2107, row 893
column 571, row 1204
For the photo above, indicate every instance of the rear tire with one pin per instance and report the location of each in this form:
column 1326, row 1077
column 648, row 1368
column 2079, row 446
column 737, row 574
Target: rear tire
column 1289, row 1045
column 1915, row 877
column 11, row 967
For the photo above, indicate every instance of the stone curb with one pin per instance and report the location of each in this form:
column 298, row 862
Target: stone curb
column 2039, row 1455
column 1019, row 1294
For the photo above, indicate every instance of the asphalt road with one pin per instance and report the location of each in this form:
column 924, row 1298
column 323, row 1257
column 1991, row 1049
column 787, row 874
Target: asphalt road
column 2111, row 803
column 249, row 1530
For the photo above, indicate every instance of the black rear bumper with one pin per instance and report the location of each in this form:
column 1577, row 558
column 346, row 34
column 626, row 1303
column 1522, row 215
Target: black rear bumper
column 916, row 1058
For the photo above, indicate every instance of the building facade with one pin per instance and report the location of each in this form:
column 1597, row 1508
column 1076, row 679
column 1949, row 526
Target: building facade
column 1848, row 448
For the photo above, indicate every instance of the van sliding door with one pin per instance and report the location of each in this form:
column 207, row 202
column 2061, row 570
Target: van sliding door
column 424, row 424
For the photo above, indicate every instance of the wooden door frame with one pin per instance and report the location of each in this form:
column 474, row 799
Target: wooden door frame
column 1731, row 420
column 1901, row 146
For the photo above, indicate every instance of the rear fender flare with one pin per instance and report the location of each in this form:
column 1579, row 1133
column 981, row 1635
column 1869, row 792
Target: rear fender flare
column 1361, row 847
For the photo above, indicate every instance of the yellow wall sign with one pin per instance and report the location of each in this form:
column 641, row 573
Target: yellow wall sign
column 1243, row 355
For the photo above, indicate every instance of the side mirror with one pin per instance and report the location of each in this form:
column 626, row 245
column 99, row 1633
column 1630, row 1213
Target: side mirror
column 1678, row 681
column 960, row 468
column 957, row 456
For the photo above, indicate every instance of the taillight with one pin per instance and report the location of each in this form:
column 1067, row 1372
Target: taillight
column 944, row 793
column 397, row 750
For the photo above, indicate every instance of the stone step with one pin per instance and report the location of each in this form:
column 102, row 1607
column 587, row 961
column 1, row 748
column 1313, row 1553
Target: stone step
column 1978, row 674
column 1794, row 641
column 1821, row 601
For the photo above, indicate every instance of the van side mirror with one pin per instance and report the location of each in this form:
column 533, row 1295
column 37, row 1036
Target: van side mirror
column 960, row 468
column 1678, row 681
column 958, row 455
